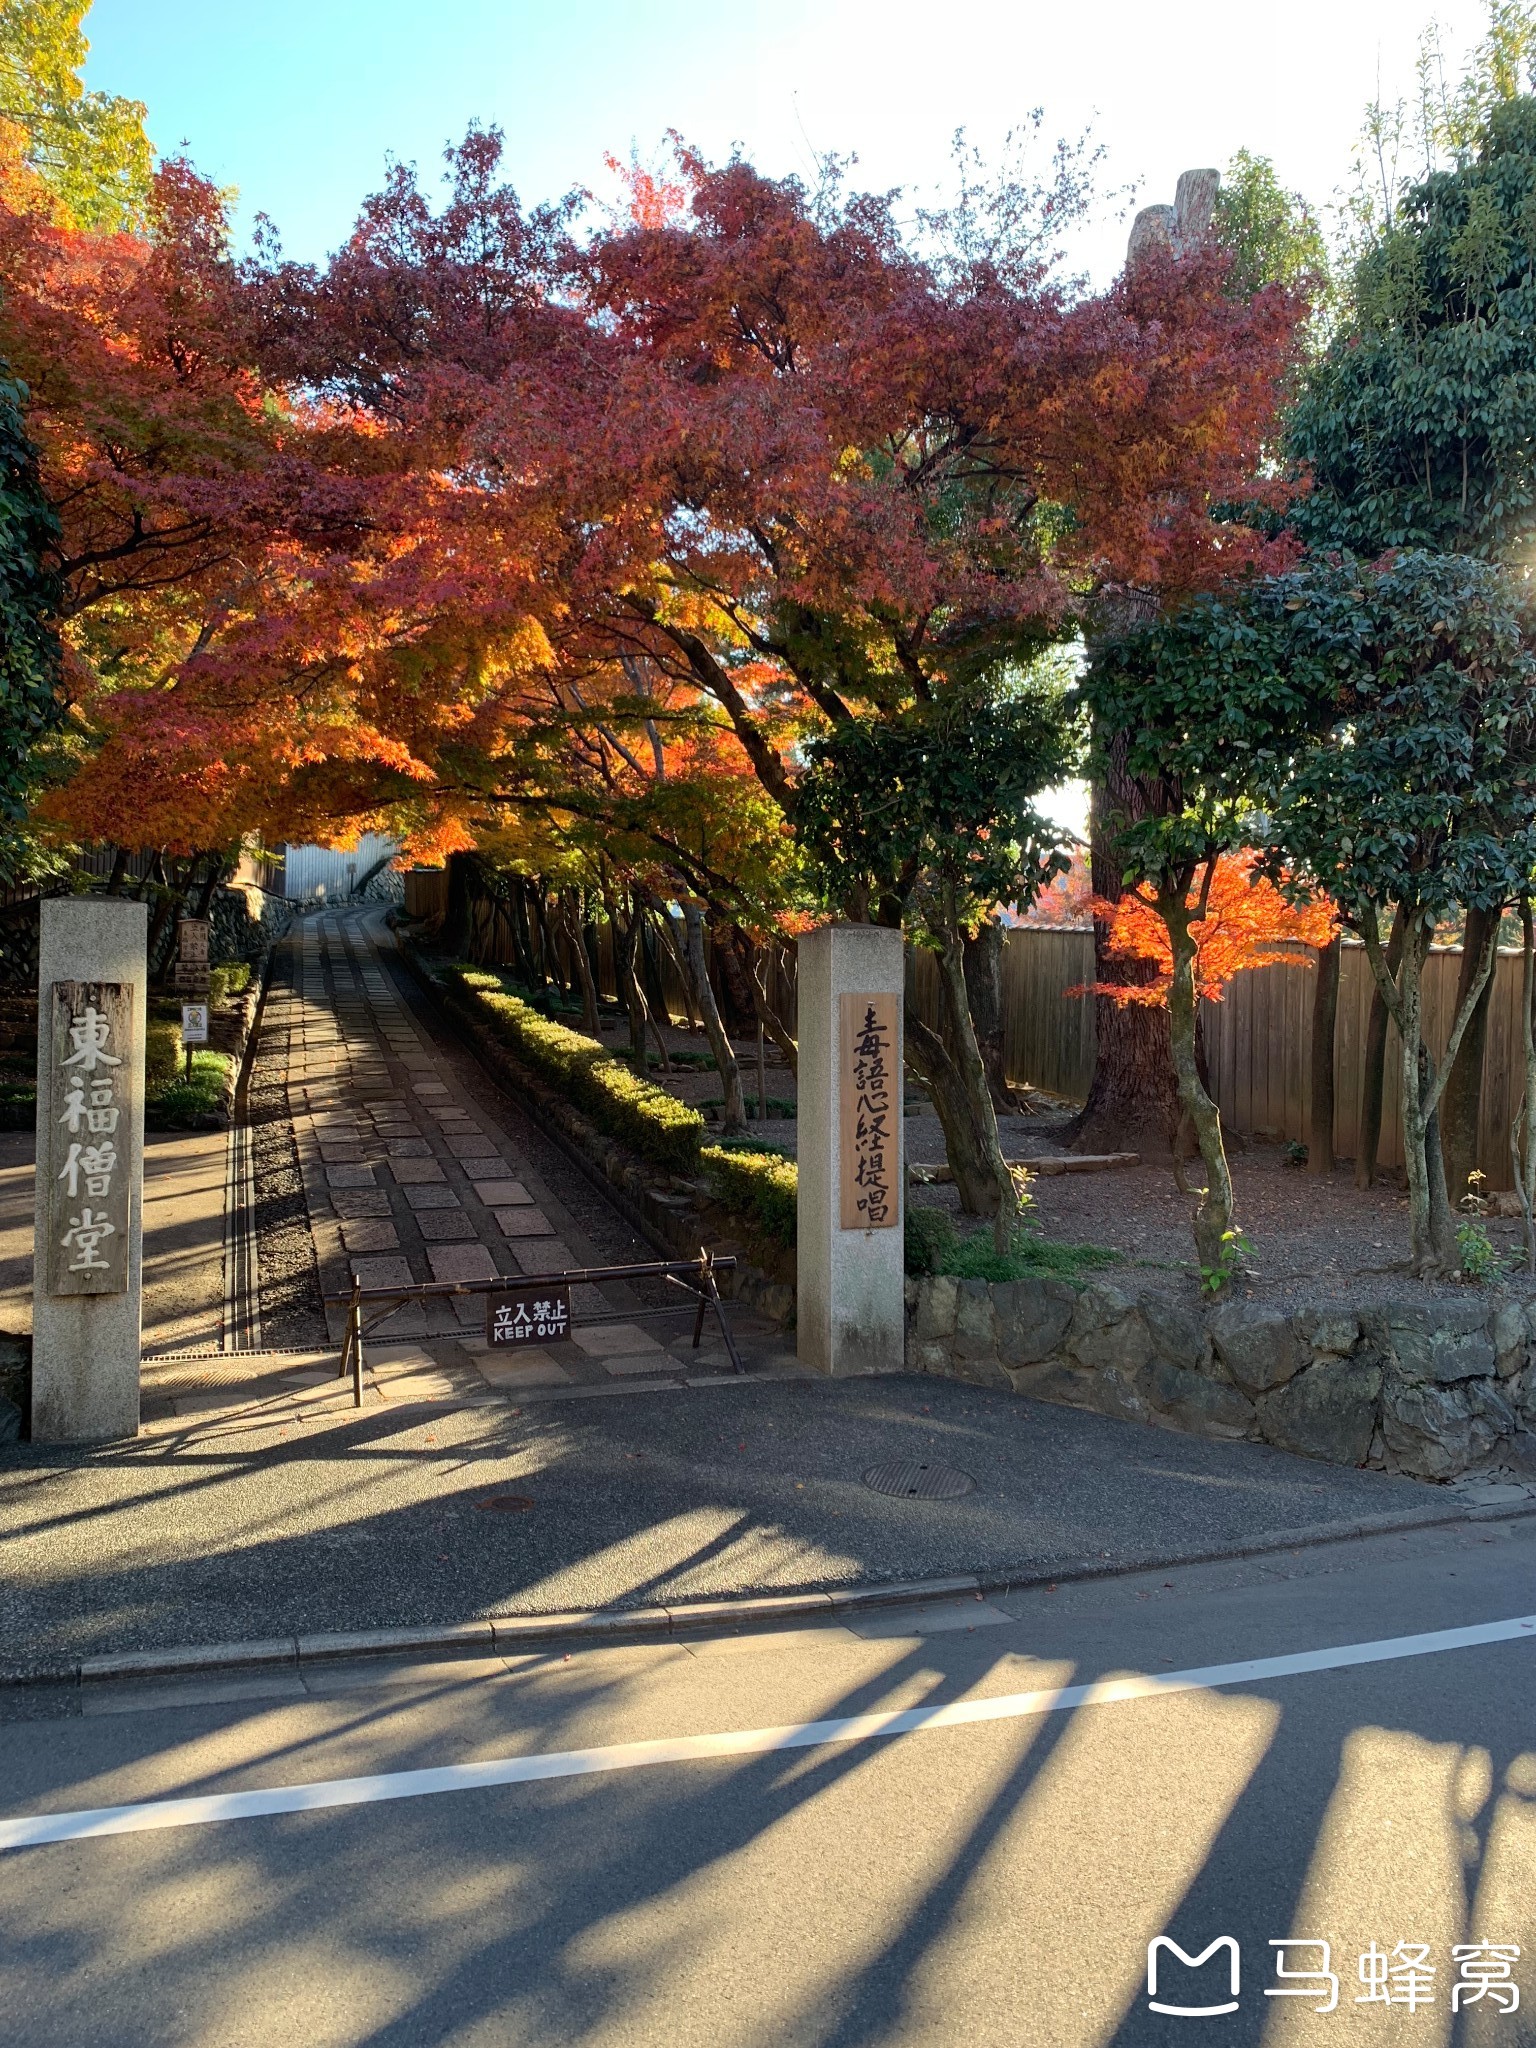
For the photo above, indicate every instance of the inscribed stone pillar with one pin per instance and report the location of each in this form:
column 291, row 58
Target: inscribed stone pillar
column 90, row 1170
column 850, row 1315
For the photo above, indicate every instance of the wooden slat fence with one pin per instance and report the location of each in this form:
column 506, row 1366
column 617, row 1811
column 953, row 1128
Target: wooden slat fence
column 1258, row 1040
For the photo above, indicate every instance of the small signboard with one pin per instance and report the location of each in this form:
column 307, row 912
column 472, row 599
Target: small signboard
column 194, row 1023
column 529, row 1315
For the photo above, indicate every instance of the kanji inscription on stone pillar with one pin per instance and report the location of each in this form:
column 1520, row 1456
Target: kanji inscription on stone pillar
column 90, row 1166
column 869, row 1104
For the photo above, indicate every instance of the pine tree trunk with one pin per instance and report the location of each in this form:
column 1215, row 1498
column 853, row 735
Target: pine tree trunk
column 1325, row 1012
column 1462, row 1101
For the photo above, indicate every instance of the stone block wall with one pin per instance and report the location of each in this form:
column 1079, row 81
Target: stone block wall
column 1428, row 1391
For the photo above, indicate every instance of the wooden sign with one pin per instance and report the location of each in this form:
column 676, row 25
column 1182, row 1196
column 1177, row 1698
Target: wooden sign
column 528, row 1315
column 90, row 1166
column 192, row 957
column 868, row 1068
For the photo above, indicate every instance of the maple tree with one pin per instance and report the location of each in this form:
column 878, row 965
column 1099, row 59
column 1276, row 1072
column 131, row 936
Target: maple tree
column 1245, row 922
column 88, row 148
column 814, row 471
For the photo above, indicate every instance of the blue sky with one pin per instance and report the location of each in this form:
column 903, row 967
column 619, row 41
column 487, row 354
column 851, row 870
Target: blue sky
column 299, row 106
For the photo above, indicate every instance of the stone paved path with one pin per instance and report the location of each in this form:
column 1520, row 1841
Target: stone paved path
column 408, row 1178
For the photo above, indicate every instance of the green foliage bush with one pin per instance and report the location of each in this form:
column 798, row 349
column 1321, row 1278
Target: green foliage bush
column 162, row 1055
column 231, row 980
column 758, row 1181
column 930, row 1239
column 646, row 1118
column 190, row 1102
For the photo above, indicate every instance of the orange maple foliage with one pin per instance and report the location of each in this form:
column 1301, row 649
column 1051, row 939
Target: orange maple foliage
column 1248, row 923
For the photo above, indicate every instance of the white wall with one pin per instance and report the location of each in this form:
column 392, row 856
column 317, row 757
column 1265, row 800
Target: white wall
column 313, row 870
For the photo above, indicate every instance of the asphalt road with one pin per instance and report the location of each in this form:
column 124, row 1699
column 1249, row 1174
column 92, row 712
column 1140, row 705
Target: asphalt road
column 995, row 1878
column 241, row 1528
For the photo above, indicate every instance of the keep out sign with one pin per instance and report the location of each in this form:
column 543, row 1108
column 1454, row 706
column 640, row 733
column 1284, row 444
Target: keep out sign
column 529, row 1315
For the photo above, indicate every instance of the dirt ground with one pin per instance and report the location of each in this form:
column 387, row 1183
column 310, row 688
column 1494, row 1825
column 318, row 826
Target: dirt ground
column 1314, row 1239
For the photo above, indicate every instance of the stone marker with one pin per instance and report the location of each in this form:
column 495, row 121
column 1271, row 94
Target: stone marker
column 850, row 1313
column 90, row 1170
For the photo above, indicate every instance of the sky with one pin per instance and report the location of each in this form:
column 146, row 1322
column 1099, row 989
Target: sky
column 300, row 106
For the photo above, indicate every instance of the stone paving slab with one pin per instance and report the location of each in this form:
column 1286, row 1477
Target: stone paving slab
column 523, row 1223
column 439, row 1226
column 455, row 1199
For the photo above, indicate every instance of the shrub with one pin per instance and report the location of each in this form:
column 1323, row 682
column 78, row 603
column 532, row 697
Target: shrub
column 758, row 1181
column 930, row 1239
column 232, row 979
column 162, row 1054
column 647, row 1119
column 190, row 1102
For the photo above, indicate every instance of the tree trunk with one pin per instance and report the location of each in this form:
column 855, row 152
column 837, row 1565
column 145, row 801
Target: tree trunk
column 625, row 938
column 549, row 952
column 161, row 920
column 984, row 990
column 929, row 1058
column 1325, row 1012
column 1525, row 1158
column 674, row 936
column 455, row 932
column 1133, row 1098
column 591, row 1017
column 960, row 1034
column 758, row 967
column 1374, row 1082
column 119, row 870
column 1462, row 1100
column 1214, row 1225
column 735, row 1113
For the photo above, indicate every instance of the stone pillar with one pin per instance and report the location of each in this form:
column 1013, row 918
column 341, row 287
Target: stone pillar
column 90, row 1169
column 849, row 1310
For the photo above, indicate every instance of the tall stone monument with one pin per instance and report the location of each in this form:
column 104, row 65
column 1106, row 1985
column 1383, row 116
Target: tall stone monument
column 850, row 1312
column 87, row 1278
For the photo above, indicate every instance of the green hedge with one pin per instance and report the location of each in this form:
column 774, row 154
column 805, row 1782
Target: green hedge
column 647, row 1119
column 758, row 1182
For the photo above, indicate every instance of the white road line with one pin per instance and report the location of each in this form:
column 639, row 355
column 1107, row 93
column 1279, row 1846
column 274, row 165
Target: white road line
column 31, row 1830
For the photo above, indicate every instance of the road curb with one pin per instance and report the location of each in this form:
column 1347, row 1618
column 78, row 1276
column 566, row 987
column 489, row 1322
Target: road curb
column 499, row 1635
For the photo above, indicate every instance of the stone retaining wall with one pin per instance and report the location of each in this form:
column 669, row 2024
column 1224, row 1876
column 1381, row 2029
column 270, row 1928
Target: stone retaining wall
column 1431, row 1392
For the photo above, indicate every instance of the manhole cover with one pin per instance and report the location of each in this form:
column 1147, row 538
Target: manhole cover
column 506, row 1503
column 912, row 1479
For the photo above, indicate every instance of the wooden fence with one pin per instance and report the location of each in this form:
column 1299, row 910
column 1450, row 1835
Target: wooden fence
column 1258, row 1040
